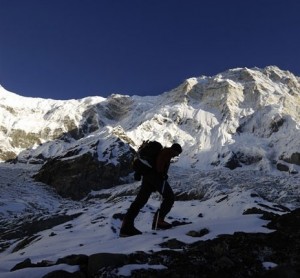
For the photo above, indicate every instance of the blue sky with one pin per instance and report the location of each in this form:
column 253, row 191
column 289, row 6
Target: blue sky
column 66, row 49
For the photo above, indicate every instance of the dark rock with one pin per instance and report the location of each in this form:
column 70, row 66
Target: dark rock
column 200, row 233
column 289, row 222
column 173, row 244
column 276, row 124
column 27, row 263
column 248, row 159
column 187, row 195
column 232, row 162
column 282, row 167
column 293, row 159
column 74, row 260
column 276, row 208
column 64, row 274
column 23, row 243
column 21, row 265
column 222, row 199
column 74, row 175
column 293, row 171
column 103, row 260
column 265, row 214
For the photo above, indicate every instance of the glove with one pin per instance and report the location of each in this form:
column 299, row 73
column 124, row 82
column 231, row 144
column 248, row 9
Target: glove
column 165, row 177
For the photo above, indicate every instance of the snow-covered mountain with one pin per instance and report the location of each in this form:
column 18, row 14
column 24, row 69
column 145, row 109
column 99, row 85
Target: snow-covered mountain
column 241, row 117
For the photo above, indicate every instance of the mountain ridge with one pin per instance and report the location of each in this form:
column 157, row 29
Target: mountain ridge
column 212, row 117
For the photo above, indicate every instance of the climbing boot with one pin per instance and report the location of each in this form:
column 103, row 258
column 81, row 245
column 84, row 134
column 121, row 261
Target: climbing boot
column 159, row 223
column 128, row 229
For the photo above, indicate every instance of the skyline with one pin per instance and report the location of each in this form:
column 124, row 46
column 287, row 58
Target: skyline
column 73, row 49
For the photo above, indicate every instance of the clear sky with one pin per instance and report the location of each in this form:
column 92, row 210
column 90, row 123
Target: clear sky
column 66, row 49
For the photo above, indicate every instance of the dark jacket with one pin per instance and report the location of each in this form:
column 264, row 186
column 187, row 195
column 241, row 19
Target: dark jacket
column 163, row 161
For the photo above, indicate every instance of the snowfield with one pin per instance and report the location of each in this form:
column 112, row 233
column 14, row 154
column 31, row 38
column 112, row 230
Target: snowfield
column 220, row 198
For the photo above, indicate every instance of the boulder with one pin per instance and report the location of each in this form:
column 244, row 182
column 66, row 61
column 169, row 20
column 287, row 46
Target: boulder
column 293, row 159
column 74, row 175
column 282, row 167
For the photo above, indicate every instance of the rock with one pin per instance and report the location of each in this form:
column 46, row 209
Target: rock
column 24, row 242
column 266, row 215
column 282, row 167
column 293, row 159
column 103, row 260
column 200, row 233
column 173, row 244
column 232, row 162
column 64, row 274
column 74, row 176
column 286, row 223
column 74, row 260
column 21, row 265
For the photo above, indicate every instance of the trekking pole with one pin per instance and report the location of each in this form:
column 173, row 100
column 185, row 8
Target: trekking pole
column 162, row 198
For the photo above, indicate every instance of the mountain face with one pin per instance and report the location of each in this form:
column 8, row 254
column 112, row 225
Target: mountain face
column 243, row 117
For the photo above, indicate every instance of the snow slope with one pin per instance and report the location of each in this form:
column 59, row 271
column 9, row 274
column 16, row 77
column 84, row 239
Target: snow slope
column 223, row 196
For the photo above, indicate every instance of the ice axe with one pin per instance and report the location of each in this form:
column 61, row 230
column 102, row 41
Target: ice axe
column 162, row 198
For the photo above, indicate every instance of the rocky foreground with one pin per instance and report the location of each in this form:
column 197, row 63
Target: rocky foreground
column 276, row 254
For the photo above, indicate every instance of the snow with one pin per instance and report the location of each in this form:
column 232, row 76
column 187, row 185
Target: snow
column 33, row 115
column 269, row 265
column 203, row 115
column 220, row 210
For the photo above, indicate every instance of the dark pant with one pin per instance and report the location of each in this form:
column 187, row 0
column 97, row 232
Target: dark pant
column 151, row 183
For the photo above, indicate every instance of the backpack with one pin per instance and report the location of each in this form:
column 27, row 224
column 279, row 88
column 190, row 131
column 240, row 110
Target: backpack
column 145, row 158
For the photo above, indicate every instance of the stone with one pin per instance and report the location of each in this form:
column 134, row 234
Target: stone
column 74, row 176
column 21, row 265
column 293, row 159
column 103, row 260
column 282, row 167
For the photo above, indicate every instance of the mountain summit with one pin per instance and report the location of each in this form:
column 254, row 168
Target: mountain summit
column 238, row 118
